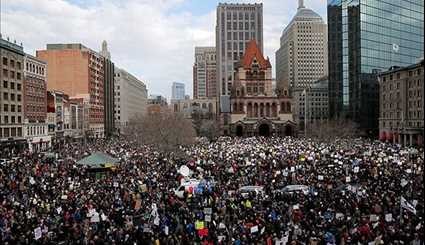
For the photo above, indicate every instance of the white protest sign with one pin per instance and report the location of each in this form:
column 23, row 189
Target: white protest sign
column 59, row 210
column 254, row 229
column 320, row 177
column 347, row 179
column 403, row 182
column 103, row 217
column 389, row 217
column 356, row 169
column 208, row 218
column 95, row 218
column 37, row 233
column 374, row 217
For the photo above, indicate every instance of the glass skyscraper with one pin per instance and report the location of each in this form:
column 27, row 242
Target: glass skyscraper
column 366, row 37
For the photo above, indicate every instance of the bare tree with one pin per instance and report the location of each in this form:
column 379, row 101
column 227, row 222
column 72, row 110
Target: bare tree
column 165, row 130
column 332, row 129
column 205, row 124
column 209, row 129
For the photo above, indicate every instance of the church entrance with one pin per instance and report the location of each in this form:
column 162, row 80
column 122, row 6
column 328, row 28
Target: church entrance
column 239, row 131
column 264, row 130
column 288, row 130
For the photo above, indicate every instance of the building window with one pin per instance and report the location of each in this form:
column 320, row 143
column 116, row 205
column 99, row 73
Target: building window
column 5, row 107
column 5, row 61
column 5, row 96
column 18, row 65
column 4, row 84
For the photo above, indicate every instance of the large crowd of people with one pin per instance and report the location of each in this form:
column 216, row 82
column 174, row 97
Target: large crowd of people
column 359, row 192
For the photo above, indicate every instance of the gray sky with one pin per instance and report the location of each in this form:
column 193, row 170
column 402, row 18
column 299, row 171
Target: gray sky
column 152, row 39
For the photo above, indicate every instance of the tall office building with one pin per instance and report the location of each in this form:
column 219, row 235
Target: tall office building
column 11, row 92
column 303, row 54
column 204, row 73
column 108, row 90
column 236, row 25
column 130, row 98
column 366, row 37
column 78, row 72
column 177, row 91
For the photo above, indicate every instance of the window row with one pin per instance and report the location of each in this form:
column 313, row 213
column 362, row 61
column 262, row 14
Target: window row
column 11, row 63
column 13, row 119
column 12, row 74
column 10, row 132
column 37, row 69
column 11, row 85
column 12, row 97
column 13, row 108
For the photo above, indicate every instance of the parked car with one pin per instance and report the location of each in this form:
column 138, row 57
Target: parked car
column 247, row 190
column 290, row 189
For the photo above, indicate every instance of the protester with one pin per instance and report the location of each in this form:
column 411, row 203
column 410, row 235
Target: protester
column 358, row 192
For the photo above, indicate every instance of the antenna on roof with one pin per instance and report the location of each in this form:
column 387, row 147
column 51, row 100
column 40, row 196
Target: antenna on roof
column 300, row 4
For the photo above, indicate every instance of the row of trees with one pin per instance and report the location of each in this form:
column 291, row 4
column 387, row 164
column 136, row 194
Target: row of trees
column 168, row 130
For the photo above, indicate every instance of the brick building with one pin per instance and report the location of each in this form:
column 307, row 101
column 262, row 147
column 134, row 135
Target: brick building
column 35, row 104
column 79, row 72
column 255, row 108
column 401, row 105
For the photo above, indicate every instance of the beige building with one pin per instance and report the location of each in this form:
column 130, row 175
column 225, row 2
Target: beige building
column 401, row 105
column 236, row 25
column 312, row 102
column 130, row 98
column 205, row 106
column 302, row 57
column 11, row 96
column 204, row 73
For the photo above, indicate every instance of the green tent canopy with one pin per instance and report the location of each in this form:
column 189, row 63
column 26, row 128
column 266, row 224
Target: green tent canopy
column 99, row 160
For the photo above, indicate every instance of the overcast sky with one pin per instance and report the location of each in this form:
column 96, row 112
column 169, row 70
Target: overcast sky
column 152, row 39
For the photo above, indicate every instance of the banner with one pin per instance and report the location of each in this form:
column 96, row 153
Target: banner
column 406, row 205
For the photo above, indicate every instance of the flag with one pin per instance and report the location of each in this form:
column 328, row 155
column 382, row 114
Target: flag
column 406, row 205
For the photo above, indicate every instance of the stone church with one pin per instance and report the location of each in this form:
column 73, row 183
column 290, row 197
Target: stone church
column 256, row 108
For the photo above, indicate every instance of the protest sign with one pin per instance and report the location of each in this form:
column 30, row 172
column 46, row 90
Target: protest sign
column 254, row 229
column 37, row 233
